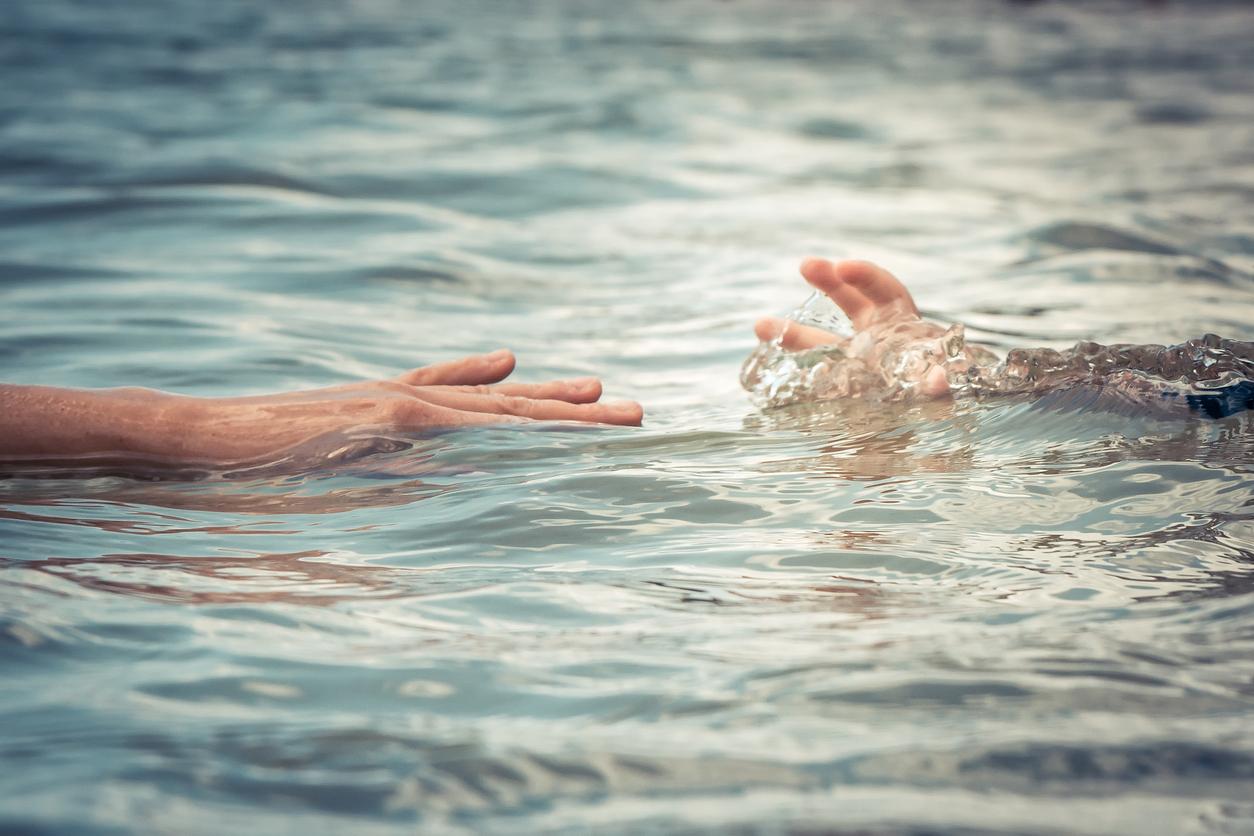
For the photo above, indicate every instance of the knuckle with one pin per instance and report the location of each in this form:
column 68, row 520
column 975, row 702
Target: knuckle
column 415, row 377
column 393, row 387
column 396, row 410
column 518, row 405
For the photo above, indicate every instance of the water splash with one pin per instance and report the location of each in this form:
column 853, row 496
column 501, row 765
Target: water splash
column 1205, row 364
column 1211, row 374
column 892, row 361
column 774, row 376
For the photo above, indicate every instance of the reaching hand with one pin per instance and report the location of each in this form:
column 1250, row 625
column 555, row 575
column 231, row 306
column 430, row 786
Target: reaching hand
column 468, row 392
column 892, row 349
column 44, row 422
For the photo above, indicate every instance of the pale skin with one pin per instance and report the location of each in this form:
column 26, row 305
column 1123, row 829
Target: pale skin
column 42, row 422
column 886, row 323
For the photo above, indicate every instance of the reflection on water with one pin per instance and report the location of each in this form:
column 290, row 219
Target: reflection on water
column 256, row 578
column 1032, row 613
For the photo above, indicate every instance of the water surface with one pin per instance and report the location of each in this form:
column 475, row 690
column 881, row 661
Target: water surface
column 1027, row 615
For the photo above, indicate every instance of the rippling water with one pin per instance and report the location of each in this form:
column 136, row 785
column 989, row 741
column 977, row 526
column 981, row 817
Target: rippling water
column 1033, row 614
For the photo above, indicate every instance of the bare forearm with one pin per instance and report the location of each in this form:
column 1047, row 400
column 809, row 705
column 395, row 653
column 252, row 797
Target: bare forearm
column 47, row 421
column 50, row 422
column 42, row 421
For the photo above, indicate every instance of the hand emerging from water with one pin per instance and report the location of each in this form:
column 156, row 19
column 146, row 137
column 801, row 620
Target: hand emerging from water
column 39, row 421
column 893, row 349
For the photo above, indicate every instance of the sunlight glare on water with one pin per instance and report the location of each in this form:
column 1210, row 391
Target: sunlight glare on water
column 1027, row 614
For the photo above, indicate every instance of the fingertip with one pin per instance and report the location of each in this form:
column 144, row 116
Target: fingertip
column 814, row 268
column 768, row 328
column 502, row 360
column 633, row 413
column 589, row 387
column 620, row 413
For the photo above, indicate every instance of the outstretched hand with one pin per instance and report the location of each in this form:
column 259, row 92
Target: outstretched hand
column 469, row 392
column 44, row 421
column 892, row 345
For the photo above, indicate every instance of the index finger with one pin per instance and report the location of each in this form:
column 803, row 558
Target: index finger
column 866, row 292
column 466, row 371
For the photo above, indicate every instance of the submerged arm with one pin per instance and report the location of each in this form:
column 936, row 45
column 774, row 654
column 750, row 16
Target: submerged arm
column 894, row 353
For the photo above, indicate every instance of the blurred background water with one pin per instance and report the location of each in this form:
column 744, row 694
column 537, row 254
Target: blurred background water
column 1020, row 616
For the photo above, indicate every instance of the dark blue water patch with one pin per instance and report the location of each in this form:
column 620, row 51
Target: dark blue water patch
column 1079, row 235
column 1214, row 271
column 536, row 112
column 536, row 190
column 398, row 776
column 1223, row 402
column 295, row 228
column 340, row 32
column 831, row 49
column 1081, row 399
column 96, row 210
column 215, row 173
column 46, row 165
column 1119, row 764
column 86, row 648
column 1236, row 585
column 413, row 274
column 420, row 103
column 45, row 342
column 1057, row 69
column 350, row 770
column 13, row 274
column 1086, row 770
column 1173, row 113
column 178, row 325
column 829, row 127
column 936, row 694
column 36, row 825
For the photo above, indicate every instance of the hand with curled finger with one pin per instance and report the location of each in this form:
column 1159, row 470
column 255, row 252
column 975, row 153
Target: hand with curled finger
column 892, row 353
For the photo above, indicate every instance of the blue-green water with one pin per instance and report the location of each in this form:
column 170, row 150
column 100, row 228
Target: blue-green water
column 1017, row 616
